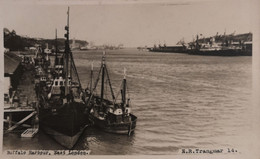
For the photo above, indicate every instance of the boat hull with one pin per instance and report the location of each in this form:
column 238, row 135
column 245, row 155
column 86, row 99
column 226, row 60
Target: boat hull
column 118, row 128
column 64, row 125
column 228, row 52
column 64, row 140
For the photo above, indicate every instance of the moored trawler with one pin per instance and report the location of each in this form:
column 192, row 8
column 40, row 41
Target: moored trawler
column 108, row 115
column 61, row 109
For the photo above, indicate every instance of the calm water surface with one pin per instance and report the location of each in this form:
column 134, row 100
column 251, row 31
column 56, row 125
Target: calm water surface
column 181, row 101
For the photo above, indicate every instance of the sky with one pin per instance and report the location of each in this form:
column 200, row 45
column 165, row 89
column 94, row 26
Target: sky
column 130, row 22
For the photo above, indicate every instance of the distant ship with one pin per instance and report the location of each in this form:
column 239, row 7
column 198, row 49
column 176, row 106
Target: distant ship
column 227, row 48
column 172, row 49
column 108, row 115
column 227, row 45
column 61, row 109
column 88, row 48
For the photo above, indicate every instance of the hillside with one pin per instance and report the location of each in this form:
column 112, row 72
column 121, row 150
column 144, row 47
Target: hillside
column 16, row 42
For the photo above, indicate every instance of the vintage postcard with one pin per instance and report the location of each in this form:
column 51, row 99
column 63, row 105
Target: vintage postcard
column 130, row 78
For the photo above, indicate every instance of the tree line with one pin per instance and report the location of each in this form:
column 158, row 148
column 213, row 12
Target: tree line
column 16, row 42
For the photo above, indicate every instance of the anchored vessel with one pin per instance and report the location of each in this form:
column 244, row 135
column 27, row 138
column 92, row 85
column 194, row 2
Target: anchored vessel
column 61, row 109
column 107, row 114
column 227, row 48
column 219, row 45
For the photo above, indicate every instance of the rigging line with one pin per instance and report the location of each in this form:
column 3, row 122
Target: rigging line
column 118, row 92
column 105, row 88
column 97, row 79
column 75, row 69
column 94, row 87
column 111, row 89
column 128, row 92
column 88, row 85
column 91, row 77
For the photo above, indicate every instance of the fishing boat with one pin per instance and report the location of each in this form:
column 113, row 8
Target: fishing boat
column 61, row 108
column 109, row 115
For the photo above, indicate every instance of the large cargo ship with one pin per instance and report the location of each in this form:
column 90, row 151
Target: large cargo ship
column 219, row 45
column 226, row 46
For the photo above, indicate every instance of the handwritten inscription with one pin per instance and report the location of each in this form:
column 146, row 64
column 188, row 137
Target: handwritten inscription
column 47, row 152
column 39, row 152
column 16, row 152
column 208, row 151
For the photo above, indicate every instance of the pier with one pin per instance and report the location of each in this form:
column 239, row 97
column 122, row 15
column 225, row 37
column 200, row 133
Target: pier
column 20, row 101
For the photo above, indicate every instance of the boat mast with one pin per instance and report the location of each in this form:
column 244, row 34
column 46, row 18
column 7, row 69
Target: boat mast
column 91, row 77
column 56, row 49
column 124, row 89
column 197, row 42
column 67, row 50
column 56, row 44
column 103, row 78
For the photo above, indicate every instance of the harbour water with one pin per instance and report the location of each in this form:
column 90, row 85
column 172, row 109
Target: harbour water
column 181, row 101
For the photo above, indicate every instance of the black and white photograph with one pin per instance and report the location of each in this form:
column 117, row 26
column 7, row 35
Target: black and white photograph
column 130, row 77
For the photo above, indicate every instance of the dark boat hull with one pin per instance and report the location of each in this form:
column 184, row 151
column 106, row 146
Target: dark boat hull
column 66, row 124
column 62, row 139
column 228, row 52
column 117, row 128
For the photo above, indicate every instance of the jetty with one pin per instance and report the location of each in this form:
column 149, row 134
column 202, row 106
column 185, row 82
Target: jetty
column 20, row 101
